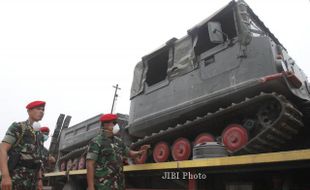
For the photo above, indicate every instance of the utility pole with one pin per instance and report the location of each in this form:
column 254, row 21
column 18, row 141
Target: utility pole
column 115, row 96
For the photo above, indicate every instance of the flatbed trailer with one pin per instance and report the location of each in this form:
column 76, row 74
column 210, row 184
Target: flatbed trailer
column 278, row 170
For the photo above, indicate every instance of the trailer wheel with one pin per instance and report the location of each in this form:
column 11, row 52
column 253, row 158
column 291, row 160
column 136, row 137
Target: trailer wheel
column 69, row 165
column 161, row 152
column 75, row 164
column 82, row 163
column 203, row 138
column 181, row 149
column 234, row 137
column 63, row 166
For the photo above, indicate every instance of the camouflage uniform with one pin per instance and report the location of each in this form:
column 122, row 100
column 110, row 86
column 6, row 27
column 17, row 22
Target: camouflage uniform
column 24, row 174
column 108, row 154
column 45, row 155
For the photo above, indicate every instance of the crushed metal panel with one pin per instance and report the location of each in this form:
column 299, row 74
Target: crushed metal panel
column 138, row 80
column 183, row 57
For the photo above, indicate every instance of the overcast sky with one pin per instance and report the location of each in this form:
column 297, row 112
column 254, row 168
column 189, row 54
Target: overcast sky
column 71, row 53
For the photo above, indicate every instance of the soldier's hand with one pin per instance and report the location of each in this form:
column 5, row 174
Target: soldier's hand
column 6, row 183
column 145, row 147
column 51, row 160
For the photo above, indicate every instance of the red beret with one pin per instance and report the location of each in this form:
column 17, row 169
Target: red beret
column 44, row 130
column 108, row 117
column 35, row 104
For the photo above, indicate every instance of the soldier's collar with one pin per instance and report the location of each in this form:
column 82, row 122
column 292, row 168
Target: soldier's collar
column 28, row 123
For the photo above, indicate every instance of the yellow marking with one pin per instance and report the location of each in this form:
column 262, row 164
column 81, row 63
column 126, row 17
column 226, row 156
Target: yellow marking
column 73, row 172
column 151, row 166
column 285, row 156
column 78, row 172
column 54, row 174
column 226, row 161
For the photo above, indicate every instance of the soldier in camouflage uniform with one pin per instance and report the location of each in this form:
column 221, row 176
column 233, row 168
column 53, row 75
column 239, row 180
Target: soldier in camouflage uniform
column 105, row 157
column 45, row 132
column 22, row 145
column 47, row 159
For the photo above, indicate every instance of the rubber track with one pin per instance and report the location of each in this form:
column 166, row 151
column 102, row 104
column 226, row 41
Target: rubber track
column 271, row 138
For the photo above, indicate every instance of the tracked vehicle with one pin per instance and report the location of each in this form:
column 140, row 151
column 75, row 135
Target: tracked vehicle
column 69, row 144
column 228, row 87
column 228, row 80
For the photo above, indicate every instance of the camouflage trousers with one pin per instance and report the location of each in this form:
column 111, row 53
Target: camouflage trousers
column 23, row 179
column 108, row 187
column 109, row 184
